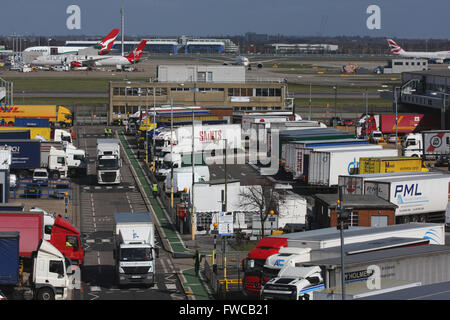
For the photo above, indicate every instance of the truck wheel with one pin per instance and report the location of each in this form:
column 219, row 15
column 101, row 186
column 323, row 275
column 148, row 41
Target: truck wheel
column 46, row 294
column 55, row 175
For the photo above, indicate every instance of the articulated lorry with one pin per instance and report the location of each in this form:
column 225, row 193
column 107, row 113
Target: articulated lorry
column 28, row 155
column 109, row 161
column 45, row 275
column 406, row 123
column 57, row 115
column 134, row 251
column 253, row 265
column 34, row 226
column 293, row 281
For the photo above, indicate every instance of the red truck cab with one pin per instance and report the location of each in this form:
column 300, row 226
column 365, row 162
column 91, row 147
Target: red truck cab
column 253, row 265
column 66, row 238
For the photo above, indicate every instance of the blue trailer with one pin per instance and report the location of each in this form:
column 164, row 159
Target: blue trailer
column 32, row 122
column 25, row 153
column 9, row 262
column 14, row 134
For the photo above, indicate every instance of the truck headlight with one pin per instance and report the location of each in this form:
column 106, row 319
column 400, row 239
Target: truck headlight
column 121, row 270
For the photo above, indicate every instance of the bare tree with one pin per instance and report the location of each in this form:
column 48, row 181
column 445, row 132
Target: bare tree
column 261, row 198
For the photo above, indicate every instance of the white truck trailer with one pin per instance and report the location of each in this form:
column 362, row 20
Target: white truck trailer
column 324, row 167
column 108, row 161
column 134, row 249
column 419, row 198
column 182, row 178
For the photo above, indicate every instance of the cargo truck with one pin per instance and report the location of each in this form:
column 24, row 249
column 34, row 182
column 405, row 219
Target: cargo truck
column 324, row 167
column 419, row 198
column 208, row 140
column 430, row 145
column 406, row 123
column 57, row 115
column 28, row 155
column 43, row 276
column 371, row 165
column 182, row 178
column 253, row 265
column 134, row 251
column 34, row 226
column 109, row 161
column 293, row 281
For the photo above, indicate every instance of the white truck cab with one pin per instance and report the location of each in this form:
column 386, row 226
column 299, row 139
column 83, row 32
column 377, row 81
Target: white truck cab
column 287, row 256
column 50, row 276
column 294, row 283
column 412, row 145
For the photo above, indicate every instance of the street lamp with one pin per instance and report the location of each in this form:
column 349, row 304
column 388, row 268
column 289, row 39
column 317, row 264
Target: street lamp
column 335, row 102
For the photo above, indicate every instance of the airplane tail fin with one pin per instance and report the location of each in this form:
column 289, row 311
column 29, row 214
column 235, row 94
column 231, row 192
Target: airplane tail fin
column 136, row 54
column 394, row 48
column 106, row 44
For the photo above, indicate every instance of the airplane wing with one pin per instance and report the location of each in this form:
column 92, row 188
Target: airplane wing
column 88, row 61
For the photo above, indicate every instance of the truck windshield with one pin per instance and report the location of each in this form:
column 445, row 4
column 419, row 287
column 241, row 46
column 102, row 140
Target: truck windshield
column 136, row 254
column 108, row 163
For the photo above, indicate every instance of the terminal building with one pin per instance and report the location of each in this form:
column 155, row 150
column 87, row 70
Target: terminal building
column 180, row 45
column 427, row 91
column 295, row 48
column 231, row 99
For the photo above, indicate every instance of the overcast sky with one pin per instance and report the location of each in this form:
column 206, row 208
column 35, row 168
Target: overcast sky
column 399, row 18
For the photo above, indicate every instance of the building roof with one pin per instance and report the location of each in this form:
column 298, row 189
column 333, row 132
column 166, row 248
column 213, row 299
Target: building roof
column 435, row 291
column 360, row 201
column 441, row 73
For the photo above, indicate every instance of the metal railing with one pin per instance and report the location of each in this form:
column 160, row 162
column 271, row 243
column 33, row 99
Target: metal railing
column 54, row 188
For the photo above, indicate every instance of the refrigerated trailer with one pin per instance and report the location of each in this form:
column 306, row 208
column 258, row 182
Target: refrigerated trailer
column 324, row 167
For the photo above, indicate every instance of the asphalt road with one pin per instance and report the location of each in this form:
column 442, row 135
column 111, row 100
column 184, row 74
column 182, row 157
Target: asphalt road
column 97, row 204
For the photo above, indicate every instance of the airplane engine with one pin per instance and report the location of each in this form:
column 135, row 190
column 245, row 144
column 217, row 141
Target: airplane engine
column 75, row 64
column 260, row 65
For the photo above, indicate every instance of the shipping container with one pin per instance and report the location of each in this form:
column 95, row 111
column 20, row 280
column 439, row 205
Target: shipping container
column 392, row 164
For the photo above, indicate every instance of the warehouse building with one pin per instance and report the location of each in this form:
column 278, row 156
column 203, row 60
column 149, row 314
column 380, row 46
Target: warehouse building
column 200, row 73
column 427, row 91
column 405, row 65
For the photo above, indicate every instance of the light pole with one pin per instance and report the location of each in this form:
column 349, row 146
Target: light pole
column 171, row 152
column 271, row 212
column 335, row 103
column 309, row 102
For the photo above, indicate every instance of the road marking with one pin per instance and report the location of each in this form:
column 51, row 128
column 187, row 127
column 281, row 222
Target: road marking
column 95, row 289
column 171, row 286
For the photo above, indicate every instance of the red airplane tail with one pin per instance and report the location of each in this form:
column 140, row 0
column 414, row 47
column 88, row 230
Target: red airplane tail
column 106, row 44
column 136, row 54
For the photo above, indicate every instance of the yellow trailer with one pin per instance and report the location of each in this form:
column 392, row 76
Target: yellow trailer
column 55, row 114
column 34, row 131
column 391, row 164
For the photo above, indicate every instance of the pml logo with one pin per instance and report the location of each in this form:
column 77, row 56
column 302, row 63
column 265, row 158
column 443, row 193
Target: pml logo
column 407, row 190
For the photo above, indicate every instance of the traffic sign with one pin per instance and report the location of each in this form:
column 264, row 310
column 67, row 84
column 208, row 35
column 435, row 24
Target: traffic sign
column 226, row 224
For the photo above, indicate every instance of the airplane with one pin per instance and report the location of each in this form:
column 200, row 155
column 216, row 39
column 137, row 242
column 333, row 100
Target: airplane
column 244, row 61
column 104, row 47
column 78, row 61
column 437, row 57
